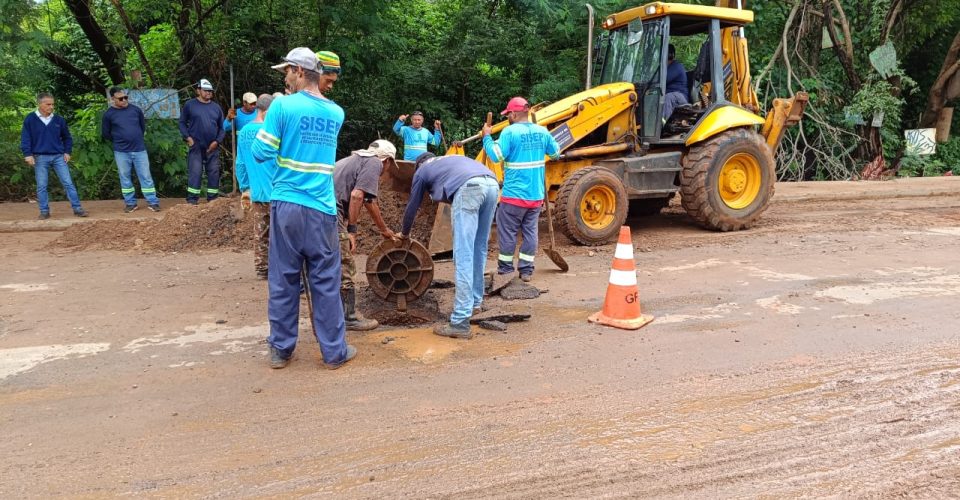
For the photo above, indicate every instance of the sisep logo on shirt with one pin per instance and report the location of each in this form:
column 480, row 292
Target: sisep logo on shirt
column 319, row 130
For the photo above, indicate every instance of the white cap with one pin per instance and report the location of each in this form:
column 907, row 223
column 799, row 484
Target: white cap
column 205, row 85
column 300, row 56
column 383, row 149
column 250, row 97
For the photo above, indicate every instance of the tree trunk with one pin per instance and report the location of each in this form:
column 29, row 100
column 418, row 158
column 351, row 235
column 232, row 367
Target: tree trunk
column 136, row 41
column 843, row 50
column 105, row 49
column 938, row 96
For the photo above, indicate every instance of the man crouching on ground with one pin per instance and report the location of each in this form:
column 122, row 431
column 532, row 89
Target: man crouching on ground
column 472, row 190
column 300, row 132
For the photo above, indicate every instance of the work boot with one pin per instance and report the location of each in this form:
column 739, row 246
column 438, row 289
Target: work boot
column 277, row 360
column 355, row 321
column 526, row 278
column 44, row 215
column 351, row 353
column 453, row 331
column 80, row 212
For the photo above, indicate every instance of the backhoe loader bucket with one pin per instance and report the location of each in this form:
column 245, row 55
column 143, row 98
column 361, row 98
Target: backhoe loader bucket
column 397, row 176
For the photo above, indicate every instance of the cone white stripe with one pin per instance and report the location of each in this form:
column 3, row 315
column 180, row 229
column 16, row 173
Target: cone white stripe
column 624, row 251
column 623, row 278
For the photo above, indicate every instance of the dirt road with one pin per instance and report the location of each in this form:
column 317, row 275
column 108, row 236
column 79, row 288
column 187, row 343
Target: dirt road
column 816, row 355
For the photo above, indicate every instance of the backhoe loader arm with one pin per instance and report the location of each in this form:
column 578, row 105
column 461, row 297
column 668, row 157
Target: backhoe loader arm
column 784, row 113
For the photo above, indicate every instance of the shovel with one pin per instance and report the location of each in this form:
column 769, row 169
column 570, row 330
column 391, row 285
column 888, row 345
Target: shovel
column 550, row 250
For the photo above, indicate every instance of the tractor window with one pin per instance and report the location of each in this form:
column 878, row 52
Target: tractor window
column 633, row 54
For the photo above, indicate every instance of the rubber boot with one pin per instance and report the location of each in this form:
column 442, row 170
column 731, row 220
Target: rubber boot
column 355, row 322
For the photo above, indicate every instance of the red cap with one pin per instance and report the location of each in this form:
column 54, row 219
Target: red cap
column 516, row 104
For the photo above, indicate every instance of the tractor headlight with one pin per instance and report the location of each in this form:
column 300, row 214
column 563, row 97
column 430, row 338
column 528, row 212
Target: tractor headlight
column 651, row 10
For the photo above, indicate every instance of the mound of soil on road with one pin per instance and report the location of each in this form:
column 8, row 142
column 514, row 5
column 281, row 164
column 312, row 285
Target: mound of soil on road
column 183, row 228
column 212, row 226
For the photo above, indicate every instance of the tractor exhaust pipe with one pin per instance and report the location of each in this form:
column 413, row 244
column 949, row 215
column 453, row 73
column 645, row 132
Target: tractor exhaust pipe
column 589, row 46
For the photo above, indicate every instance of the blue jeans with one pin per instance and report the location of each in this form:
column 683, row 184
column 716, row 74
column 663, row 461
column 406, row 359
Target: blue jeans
column 126, row 163
column 42, row 170
column 472, row 215
column 303, row 236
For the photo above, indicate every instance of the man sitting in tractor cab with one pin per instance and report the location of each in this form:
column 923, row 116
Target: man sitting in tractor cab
column 676, row 92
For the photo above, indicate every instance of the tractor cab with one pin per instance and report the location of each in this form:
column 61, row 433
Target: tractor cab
column 637, row 50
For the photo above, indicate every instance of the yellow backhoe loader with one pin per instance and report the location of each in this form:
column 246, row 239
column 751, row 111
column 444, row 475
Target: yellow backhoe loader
column 620, row 155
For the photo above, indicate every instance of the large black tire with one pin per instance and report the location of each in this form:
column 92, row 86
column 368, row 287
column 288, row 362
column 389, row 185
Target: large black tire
column 727, row 181
column 591, row 206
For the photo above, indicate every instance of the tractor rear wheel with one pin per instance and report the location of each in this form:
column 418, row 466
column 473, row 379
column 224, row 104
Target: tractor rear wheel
column 727, row 181
column 591, row 206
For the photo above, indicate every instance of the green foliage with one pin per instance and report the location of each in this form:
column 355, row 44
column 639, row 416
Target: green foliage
column 913, row 165
column 949, row 154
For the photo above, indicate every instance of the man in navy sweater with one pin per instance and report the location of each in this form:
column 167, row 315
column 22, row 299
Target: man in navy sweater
column 201, row 125
column 125, row 125
column 46, row 142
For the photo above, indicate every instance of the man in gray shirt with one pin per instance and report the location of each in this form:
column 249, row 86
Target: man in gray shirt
column 356, row 181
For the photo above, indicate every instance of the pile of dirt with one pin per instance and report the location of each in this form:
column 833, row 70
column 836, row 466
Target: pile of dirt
column 183, row 227
column 392, row 206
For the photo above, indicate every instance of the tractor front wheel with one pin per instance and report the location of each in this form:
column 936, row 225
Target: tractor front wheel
column 591, row 206
column 727, row 181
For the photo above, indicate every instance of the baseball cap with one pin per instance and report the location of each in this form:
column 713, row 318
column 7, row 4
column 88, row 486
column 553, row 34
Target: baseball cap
column 328, row 61
column 250, row 97
column 516, row 104
column 300, row 56
column 383, row 148
column 205, row 85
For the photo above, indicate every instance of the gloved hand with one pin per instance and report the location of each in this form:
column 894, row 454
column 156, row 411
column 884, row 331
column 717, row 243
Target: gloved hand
column 245, row 197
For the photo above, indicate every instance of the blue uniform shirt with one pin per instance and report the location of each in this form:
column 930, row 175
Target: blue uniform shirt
column 523, row 148
column 300, row 132
column 251, row 174
column 243, row 118
column 415, row 141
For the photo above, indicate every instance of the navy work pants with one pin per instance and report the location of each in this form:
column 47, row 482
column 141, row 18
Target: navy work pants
column 303, row 236
column 198, row 160
column 512, row 221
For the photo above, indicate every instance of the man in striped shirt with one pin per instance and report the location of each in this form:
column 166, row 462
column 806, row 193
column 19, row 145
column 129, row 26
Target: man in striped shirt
column 300, row 133
column 522, row 147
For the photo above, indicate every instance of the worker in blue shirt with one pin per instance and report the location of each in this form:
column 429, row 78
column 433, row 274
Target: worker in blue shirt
column 415, row 137
column 246, row 114
column 471, row 189
column 201, row 125
column 256, row 185
column 523, row 147
column 300, row 132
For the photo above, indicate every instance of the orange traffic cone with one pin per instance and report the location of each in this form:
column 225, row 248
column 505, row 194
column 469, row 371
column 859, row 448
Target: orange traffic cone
column 621, row 307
